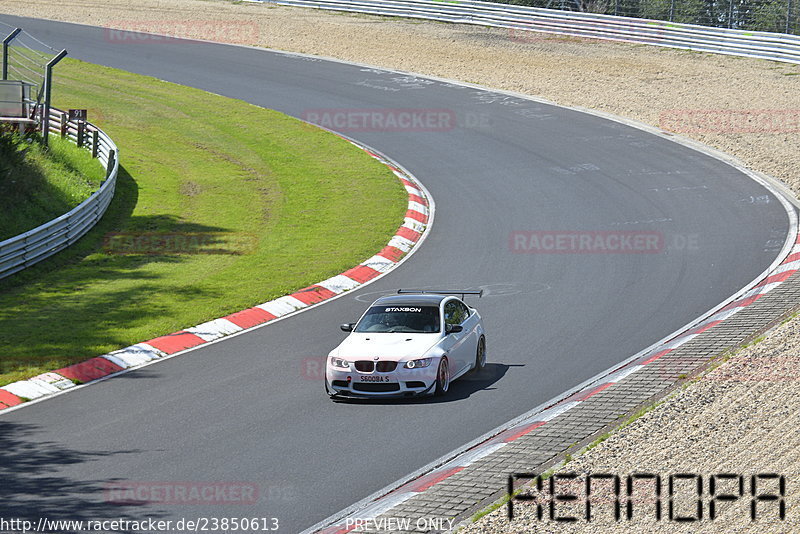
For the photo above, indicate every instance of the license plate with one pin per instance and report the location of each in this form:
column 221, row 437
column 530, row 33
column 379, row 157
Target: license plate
column 374, row 378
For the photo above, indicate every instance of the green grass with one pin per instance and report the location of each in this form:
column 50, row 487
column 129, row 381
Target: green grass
column 37, row 185
column 489, row 509
column 755, row 341
column 633, row 417
column 280, row 205
column 505, row 498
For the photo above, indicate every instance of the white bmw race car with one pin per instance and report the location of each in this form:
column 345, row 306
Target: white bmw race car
column 412, row 343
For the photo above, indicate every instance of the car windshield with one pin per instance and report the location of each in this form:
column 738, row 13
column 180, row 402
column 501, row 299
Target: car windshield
column 409, row 319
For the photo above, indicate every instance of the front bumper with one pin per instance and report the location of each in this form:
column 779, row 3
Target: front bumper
column 401, row 382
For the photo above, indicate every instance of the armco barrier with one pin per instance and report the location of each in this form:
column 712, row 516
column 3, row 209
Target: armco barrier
column 42, row 242
column 762, row 45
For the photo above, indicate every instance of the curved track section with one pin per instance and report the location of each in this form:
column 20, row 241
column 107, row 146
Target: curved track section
column 247, row 408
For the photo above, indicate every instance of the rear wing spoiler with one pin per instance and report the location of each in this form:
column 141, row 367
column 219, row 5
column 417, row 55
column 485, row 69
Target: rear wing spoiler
column 462, row 292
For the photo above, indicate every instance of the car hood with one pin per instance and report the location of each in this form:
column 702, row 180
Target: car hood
column 397, row 346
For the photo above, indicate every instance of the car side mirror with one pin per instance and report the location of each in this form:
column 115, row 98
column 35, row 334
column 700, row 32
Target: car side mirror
column 347, row 327
column 453, row 328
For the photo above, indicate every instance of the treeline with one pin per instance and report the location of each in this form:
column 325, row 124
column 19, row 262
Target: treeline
column 781, row 16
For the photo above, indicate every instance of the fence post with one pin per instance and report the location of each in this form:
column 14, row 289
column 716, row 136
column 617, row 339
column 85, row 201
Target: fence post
column 81, row 134
column 94, row 143
column 672, row 11
column 6, row 41
column 730, row 14
column 788, row 16
column 48, row 82
column 110, row 165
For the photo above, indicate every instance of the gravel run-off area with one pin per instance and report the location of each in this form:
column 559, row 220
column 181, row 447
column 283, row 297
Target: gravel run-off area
column 741, row 418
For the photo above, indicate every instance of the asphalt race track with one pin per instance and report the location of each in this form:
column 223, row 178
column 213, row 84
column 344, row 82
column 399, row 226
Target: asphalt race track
column 250, row 409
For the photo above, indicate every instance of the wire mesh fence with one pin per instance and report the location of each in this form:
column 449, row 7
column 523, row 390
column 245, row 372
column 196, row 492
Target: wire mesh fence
column 27, row 65
column 26, row 60
column 779, row 16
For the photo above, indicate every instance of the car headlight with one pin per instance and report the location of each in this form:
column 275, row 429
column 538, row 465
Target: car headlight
column 416, row 364
column 341, row 363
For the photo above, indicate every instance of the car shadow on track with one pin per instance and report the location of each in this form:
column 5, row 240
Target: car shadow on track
column 462, row 388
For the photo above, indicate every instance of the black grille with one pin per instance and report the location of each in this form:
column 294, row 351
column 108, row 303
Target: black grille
column 340, row 383
column 376, row 388
column 365, row 366
column 415, row 384
column 386, row 367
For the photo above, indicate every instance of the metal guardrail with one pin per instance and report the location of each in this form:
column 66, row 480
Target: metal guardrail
column 43, row 241
column 762, row 45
